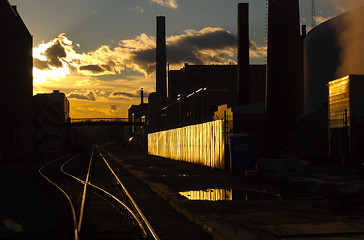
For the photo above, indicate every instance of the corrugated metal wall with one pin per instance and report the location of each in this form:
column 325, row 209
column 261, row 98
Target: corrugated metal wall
column 338, row 102
column 200, row 144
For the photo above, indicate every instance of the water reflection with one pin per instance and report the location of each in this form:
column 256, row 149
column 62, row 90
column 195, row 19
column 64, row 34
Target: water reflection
column 221, row 194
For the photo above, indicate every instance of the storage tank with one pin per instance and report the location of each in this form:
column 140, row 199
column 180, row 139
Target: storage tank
column 326, row 49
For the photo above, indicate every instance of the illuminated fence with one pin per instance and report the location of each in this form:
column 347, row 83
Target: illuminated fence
column 209, row 194
column 201, row 144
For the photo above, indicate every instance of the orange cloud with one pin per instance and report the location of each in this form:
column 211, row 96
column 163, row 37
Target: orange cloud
column 166, row 3
column 115, row 75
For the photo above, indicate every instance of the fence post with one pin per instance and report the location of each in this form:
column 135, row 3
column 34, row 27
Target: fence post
column 226, row 145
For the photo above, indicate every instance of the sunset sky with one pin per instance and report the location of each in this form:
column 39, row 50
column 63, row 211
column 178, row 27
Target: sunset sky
column 101, row 52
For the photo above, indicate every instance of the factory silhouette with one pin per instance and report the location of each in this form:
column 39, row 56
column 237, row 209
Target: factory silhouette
column 303, row 104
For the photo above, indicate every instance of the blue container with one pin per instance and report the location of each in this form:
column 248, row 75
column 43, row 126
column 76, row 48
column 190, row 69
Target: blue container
column 240, row 154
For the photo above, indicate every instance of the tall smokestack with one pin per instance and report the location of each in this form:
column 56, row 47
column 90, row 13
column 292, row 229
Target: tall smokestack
column 141, row 96
column 161, row 81
column 243, row 85
column 284, row 86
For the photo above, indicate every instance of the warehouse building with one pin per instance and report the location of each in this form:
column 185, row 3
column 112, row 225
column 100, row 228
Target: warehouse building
column 16, row 92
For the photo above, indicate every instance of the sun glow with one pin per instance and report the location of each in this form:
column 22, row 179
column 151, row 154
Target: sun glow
column 106, row 81
column 54, row 64
column 44, row 76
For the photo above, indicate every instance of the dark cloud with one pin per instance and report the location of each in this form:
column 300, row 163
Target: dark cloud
column 91, row 96
column 188, row 47
column 54, row 53
column 92, row 68
column 181, row 54
column 218, row 39
column 123, row 95
column 129, row 95
column 146, row 59
column 99, row 69
column 42, row 65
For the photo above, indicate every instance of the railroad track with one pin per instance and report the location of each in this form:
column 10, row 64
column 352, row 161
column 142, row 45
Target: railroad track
column 100, row 205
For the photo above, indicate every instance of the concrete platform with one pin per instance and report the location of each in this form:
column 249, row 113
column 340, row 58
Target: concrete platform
column 296, row 216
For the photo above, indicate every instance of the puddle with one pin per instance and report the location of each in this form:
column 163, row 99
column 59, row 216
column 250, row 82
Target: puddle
column 221, row 194
column 183, row 175
column 179, row 175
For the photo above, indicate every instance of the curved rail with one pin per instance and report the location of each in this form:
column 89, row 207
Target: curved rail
column 134, row 210
column 107, row 194
column 114, row 198
column 150, row 228
column 74, row 219
column 84, row 192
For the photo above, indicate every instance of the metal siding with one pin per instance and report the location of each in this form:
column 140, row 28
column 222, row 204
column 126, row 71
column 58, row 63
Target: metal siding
column 338, row 102
column 200, row 144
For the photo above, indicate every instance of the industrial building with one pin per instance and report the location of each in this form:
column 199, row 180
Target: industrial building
column 216, row 77
column 194, row 94
column 196, row 91
column 197, row 107
column 346, row 116
column 324, row 50
column 193, row 77
column 16, row 92
column 296, row 119
column 51, row 114
column 138, row 113
column 249, row 119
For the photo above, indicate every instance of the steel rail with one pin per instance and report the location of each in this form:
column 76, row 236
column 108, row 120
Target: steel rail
column 75, row 229
column 111, row 196
column 84, row 192
column 122, row 204
column 106, row 193
column 150, row 228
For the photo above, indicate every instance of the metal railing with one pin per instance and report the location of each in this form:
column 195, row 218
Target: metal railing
column 105, row 122
column 75, row 120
